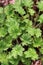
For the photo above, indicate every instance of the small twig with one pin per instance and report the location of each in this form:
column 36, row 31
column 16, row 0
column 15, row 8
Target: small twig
column 38, row 25
column 17, row 41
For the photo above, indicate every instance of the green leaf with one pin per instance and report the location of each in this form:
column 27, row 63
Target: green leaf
column 37, row 42
column 18, row 7
column 2, row 18
column 26, row 61
column 13, row 61
column 20, row 10
column 28, row 22
column 31, row 11
column 40, row 5
column 6, row 43
column 40, row 18
column 37, row 32
column 3, row 31
column 1, row 10
column 27, row 3
column 31, row 53
column 8, row 10
column 13, row 27
column 17, row 51
column 25, row 24
column 26, row 38
column 30, row 30
column 3, row 59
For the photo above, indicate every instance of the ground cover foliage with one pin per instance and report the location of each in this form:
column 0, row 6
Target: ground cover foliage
column 21, row 33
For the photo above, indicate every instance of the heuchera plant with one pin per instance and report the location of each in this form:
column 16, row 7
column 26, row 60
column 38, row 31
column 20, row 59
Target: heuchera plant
column 21, row 32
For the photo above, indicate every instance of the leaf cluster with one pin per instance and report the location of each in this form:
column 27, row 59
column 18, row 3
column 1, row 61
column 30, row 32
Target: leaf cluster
column 21, row 34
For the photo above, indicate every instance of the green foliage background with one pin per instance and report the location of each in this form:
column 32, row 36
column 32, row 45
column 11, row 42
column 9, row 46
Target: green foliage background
column 19, row 29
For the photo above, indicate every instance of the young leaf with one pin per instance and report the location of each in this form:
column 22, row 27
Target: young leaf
column 5, row 43
column 26, row 61
column 40, row 18
column 31, row 11
column 13, row 27
column 27, row 3
column 13, row 61
column 1, row 10
column 40, row 5
column 3, row 31
column 26, row 38
column 30, row 30
column 37, row 32
column 31, row 53
column 37, row 42
column 17, row 51
column 3, row 59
